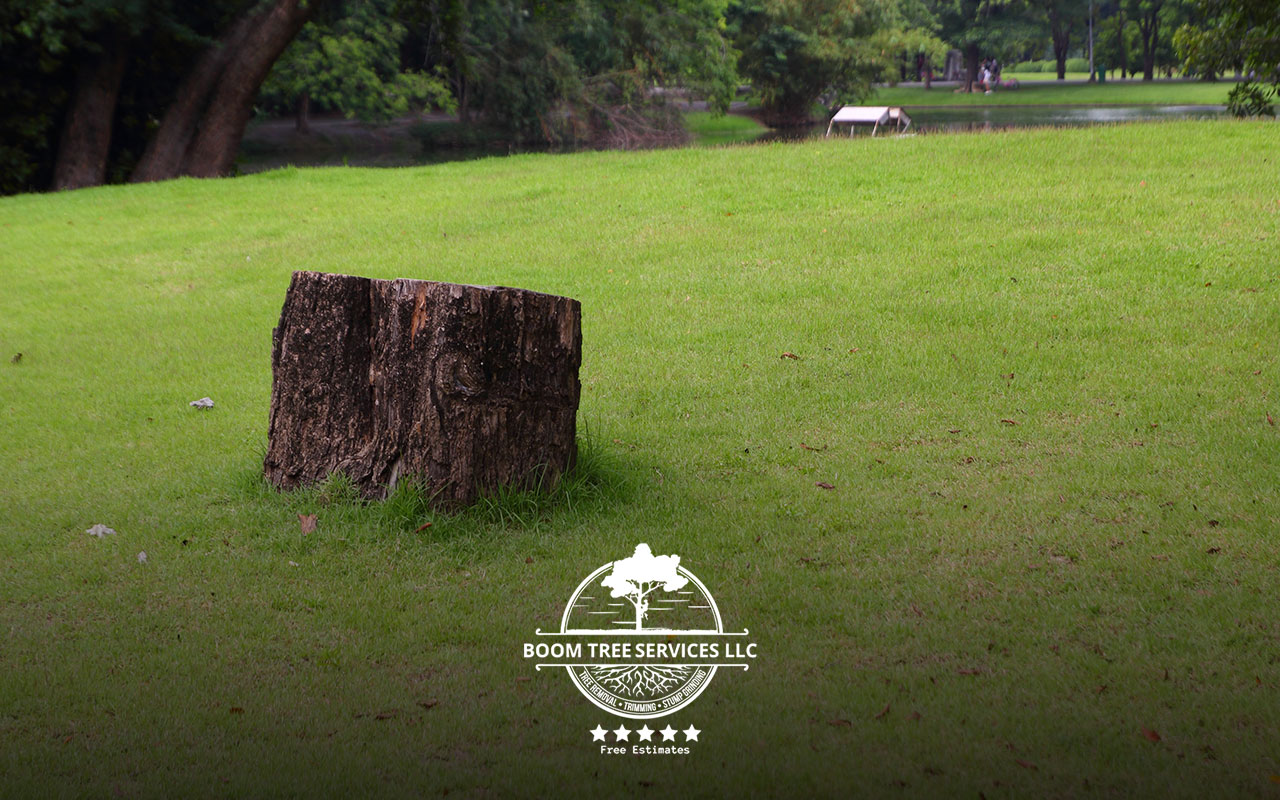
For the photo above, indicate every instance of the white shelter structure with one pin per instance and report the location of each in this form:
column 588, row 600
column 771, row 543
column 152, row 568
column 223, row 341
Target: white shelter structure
column 875, row 116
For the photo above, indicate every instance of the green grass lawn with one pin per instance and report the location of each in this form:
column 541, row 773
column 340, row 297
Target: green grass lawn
column 1038, row 369
column 1042, row 76
column 1157, row 93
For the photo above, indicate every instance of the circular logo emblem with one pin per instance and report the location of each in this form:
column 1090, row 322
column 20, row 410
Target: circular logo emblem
column 647, row 606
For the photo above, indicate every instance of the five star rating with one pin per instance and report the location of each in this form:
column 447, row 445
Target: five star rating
column 644, row 734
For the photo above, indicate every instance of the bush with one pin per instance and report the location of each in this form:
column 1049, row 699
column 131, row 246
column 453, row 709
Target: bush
column 1077, row 65
column 1027, row 66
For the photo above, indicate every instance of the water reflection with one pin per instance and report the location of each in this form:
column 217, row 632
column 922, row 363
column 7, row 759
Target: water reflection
column 934, row 119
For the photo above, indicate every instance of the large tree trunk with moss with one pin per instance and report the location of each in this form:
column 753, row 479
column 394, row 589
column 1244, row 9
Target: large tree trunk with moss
column 465, row 389
column 86, row 132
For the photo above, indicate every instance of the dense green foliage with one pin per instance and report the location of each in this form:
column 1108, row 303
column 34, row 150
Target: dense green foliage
column 794, row 51
column 576, row 71
column 975, row 607
column 1237, row 34
column 352, row 65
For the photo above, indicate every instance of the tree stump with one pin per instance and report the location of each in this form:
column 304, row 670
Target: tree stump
column 463, row 388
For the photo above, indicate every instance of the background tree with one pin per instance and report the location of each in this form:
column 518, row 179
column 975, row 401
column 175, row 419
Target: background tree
column 351, row 63
column 96, row 89
column 1154, row 19
column 641, row 575
column 909, row 52
column 1116, row 38
column 1232, row 34
column 587, row 70
column 1064, row 18
column 795, row 51
column 988, row 28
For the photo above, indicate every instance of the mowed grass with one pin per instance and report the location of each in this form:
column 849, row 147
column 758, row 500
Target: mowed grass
column 1039, row 370
column 1040, row 93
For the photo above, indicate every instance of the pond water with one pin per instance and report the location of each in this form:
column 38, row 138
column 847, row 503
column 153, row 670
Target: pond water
column 952, row 118
column 932, row 119
column 341, row 142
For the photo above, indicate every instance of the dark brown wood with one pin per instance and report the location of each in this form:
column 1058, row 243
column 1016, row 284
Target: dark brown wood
column 165, row 152
column 86, row 131
column 463, row 388
column 213, row 150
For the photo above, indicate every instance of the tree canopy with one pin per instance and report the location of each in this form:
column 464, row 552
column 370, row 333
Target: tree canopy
column 1237, row 34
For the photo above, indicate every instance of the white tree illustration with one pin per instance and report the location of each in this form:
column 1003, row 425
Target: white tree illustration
column 642, row 574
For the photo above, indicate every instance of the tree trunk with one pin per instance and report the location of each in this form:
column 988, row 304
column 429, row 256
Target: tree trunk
column 463, row 388
column 86, row 133
column 1060, row 31
column 1121, row 47
column 1149, row 29
column 303, row 122
column 163, row 157
column 971, row 64
column 214, row 149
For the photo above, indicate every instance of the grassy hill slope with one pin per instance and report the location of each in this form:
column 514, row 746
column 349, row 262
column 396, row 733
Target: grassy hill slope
column 1038, row 369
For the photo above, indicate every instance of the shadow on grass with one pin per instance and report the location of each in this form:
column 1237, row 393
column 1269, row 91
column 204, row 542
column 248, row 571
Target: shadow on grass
column 597, row 483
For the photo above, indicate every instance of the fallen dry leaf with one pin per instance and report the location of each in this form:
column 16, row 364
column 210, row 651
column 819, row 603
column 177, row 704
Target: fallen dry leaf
column 1150, row 734
column 237, row 710
column 428, row 703
column 790, row 355
column 423, row 527
column 1008, row 377
column 953, row 430
column 528, row 559
column 1009, row 422
column 883, row 712
column 812, row 449
column 840, row 723
column 1025, row 764
column 823, row 485
column 307, row 522
column 851, row 350
column 1214, row 550
column 1270, row 421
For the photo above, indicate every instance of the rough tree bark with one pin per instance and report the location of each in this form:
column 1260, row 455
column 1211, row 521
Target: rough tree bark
column 165, row 153
column 464, row 388
column 86, row 133
column 213, row 150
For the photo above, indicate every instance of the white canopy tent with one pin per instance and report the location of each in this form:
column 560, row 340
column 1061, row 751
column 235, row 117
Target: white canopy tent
column 875, row 116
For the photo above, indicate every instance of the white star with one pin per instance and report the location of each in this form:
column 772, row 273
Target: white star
column 622, row 733
column 597, row 733
column 691, row 734
column 646, row 735
column 668, row 734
